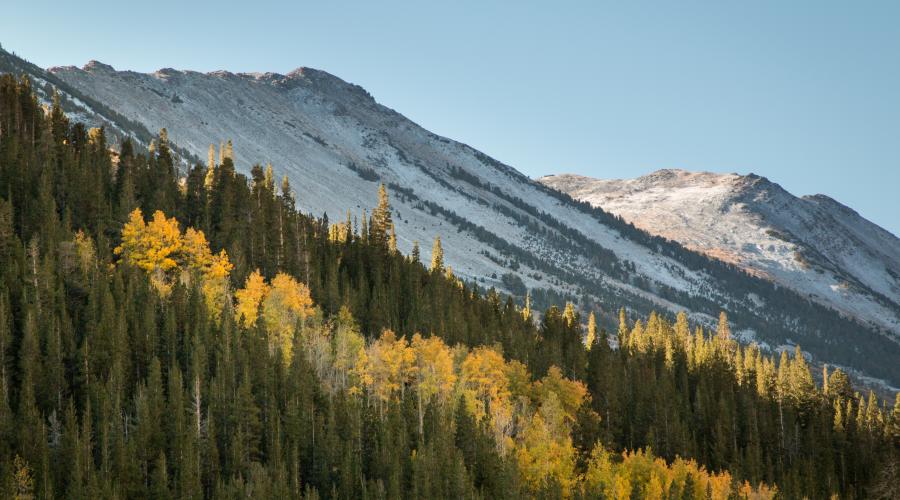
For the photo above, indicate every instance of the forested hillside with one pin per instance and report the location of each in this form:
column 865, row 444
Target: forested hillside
column 337, row 143
column 197, row 337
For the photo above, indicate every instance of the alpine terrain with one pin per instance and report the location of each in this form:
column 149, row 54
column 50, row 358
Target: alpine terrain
column 335, row 144
column 178, row 322
column 813, row 245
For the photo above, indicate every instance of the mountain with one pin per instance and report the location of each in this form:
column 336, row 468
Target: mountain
column 499, row 228
column 813, row 245
column 197, row 337
column 78, row 106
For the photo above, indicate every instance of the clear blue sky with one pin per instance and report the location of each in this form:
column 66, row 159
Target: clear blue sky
column 806, row 93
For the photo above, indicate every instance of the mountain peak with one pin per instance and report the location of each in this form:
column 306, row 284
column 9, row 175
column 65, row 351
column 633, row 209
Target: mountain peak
column 812, row 244
column 95, row 65
column 324, row 81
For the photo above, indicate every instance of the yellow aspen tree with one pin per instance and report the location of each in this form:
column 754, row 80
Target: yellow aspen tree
column 22, row 480
column 591, row 331
column 599, row 476
column 569, row 393
column 153, row 247
column 526, row 311
column 359, row 374
column 215, row 283
column 541, row 456
column 347, row 344
column 519, row 379
column 287, row 302
column 250, row 298
column 210, row 176
column 483, row 377
column 434, row 375
column 569, row 314
column 196, row 248
column 655, row 489
column 84, row 251
column 391, row 364
column 621, row 487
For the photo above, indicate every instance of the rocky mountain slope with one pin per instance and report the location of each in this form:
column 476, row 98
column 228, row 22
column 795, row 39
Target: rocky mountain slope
column 336, row 143
column 813, row 244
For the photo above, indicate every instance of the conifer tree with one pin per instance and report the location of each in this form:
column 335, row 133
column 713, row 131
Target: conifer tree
column 382, row 225
column 437, row 256
column 414, row 256
column 723, row 331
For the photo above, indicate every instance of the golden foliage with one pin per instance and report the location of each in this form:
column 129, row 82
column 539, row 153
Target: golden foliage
column 283, row 304
column 84, row 250
column 249, row 299
column 162, row 251
column 286, row 303
column 484, row 382
column 569, row 393
column 391, row 365
column 22, row 482
column 152, row 247
column 541, row 456
column 645, row 476
column 434, row 368
column 350, row 358
column 339, row 232
column 591, row 332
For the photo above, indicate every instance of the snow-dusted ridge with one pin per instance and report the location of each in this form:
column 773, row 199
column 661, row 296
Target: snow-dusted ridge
column 813, row 244
column 335, row 142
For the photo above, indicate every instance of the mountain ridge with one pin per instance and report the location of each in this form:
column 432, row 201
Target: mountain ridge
column 335, row 143
column 823, row 235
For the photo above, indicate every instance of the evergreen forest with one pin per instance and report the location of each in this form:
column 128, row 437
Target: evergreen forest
column 185, row 332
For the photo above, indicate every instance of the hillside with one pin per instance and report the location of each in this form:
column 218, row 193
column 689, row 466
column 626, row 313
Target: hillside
column 195, row 336
column 335, row 143
column 813, row 245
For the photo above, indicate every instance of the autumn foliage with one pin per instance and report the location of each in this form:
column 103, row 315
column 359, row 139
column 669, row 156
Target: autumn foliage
column 282, row 304
column 166, row 254
column 373, row 378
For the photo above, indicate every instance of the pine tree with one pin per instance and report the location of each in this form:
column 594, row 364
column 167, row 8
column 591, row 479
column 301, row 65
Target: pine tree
column 382, row 225
column 723, row 331
column 437, row 256
column 414, row 256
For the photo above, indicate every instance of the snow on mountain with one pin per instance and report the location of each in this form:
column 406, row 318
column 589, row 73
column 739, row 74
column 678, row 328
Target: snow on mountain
column 335, row 143
column 813, row 245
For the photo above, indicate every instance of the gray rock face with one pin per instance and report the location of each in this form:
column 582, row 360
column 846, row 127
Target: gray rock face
column 813, row 244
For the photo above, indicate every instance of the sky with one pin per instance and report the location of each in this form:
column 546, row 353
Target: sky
column 806, row 93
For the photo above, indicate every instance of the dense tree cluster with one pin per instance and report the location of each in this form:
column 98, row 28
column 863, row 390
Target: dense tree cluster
column 265, row 353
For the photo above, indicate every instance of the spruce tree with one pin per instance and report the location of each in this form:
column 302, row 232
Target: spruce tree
column 437, row 256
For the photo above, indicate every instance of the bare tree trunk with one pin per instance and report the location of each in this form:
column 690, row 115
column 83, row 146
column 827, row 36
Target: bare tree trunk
column 197, row 404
